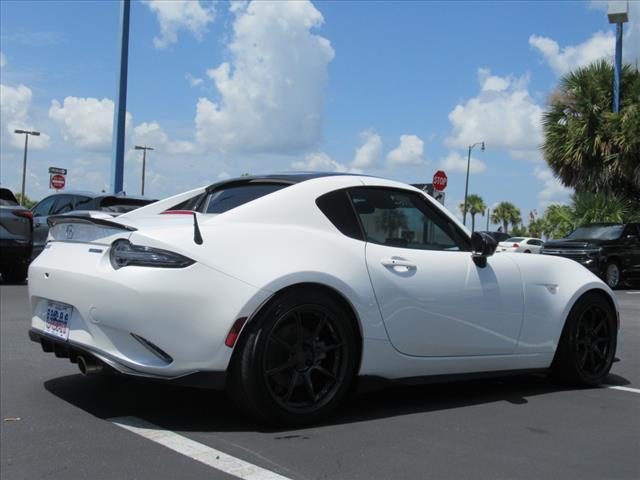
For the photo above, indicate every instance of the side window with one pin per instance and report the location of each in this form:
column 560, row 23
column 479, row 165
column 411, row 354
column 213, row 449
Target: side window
column 337, row 208
column 84, row 203
column 404, row 219
column 43, row 208
column 63, row 205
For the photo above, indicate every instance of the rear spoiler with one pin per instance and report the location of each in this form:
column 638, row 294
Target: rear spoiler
column 57, row 219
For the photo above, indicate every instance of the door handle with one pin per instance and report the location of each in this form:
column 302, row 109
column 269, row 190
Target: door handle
column 397, row 262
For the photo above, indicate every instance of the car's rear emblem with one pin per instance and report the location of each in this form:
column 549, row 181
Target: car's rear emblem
column 69, row 232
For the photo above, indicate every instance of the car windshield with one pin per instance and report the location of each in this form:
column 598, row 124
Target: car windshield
column 597, row 232
column 514, row 240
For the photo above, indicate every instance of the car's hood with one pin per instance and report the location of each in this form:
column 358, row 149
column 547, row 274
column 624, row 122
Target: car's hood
column 565, row 244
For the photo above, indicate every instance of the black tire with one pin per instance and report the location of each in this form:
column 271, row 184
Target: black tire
column 612, row 275
column 527, row 251
column 297, row 360
column 15, row 274
column 588, row 343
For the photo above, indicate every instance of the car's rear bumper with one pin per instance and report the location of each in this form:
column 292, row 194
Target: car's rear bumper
column 154, row 322
column 71, row 350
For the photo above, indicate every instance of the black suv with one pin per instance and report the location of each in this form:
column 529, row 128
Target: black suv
column 610, row 250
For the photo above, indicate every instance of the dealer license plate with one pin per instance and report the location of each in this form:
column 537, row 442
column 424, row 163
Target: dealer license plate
column 57, row 321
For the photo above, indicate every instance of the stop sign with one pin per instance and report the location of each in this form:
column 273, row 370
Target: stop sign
column 57, row 181
column 440, row 180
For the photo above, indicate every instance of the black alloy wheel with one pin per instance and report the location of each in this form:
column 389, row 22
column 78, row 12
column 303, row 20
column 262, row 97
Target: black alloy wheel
column 297, row 359
column 304, row 359
column 588, row 344
column 612, row 275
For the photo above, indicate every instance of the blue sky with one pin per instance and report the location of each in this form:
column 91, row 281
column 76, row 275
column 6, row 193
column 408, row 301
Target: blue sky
column 396, row 89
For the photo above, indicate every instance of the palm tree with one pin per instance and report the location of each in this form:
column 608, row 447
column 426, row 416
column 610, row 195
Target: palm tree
column 559, row 221
column 589, row 207
column 587, row 146
column 506, row 213
column 475, row 205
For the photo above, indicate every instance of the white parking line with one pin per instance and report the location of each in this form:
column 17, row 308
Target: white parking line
column 197, row 451
column 624, row 389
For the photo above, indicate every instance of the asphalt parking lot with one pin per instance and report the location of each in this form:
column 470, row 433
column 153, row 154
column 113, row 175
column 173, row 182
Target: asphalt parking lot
column 58, row 424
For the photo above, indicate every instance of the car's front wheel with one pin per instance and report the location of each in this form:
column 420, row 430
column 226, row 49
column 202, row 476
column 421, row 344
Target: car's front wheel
column 297, row 360
column 588, row 344
column 612, row 275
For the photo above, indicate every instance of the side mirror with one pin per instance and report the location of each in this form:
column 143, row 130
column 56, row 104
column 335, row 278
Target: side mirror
column 482, row 246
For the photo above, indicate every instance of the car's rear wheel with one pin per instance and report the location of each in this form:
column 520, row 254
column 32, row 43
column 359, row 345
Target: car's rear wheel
column 16, row 273
column 588, row 344
column 297, row 360
column 612, row 274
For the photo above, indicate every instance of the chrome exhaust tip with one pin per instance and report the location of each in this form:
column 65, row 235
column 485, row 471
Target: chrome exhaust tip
column 88, row 366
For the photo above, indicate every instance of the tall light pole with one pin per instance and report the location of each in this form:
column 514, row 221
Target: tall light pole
column 24, row 160
column 466, row 185
column 144, row 163
column 120, row 110
column 618, row 14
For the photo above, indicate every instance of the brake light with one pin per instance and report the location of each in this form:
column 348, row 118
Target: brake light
column 177, row 212
column 515, row 245
column 23, row 213
column 234, row 333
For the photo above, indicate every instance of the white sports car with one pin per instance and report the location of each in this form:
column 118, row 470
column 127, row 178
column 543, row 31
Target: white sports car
column 290, row 290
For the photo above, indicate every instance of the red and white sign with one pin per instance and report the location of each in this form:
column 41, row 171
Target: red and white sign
column 57, row 181
column 439, row 180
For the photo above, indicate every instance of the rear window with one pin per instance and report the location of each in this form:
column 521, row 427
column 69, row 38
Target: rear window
column 514, row 239
column 122, row 205
column 225, row 199
column 7, row 199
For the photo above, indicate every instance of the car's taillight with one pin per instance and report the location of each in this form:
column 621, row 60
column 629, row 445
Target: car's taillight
column 515, row 245
column 124, row 253
column 23, row 213
column 177, row 212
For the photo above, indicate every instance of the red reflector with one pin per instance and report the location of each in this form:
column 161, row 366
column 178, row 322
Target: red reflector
column 23, row 213
column 233, row 334
column 177, row 212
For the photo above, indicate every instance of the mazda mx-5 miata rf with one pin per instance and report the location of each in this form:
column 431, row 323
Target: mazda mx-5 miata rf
column 290, row 290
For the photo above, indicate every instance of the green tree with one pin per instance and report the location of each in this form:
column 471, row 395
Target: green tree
column 559, row 221
column 28, row 203
column 519, row 231
column 505, row 214
column 587, row 146
column 589, row 207
column 537, row 227
column 475, row 205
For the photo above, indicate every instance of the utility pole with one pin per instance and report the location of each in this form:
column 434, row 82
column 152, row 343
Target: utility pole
column 144, row 163
column 24, row 160
column 488, row 215
column 120, row 110
column 618, row 14
column 466, row 185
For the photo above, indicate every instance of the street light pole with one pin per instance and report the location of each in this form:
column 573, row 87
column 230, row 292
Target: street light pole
column 466, row 185
column 144, row 163
column 24, row 160
column 618, row 14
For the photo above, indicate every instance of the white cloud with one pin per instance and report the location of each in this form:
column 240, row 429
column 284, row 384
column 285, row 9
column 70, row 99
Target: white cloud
column 409, row 152
column 271, row 93
column 504, row 115
column 552, row 191
column 236, row 6
column 3, row 60
column 85, row 122
column 15, row 103
column 223, row 176
column 564, row 60
column 454, row 162
column 153, row 135
column 176, row 15
column 321, row 162
column 368, row 154
column 193, row 81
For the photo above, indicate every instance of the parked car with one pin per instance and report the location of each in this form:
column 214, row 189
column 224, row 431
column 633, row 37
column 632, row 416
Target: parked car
column 610, row 250
column 289, row 290
column 15, row 238
column 521, row 244
column 61, row 203
column 497, row 236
